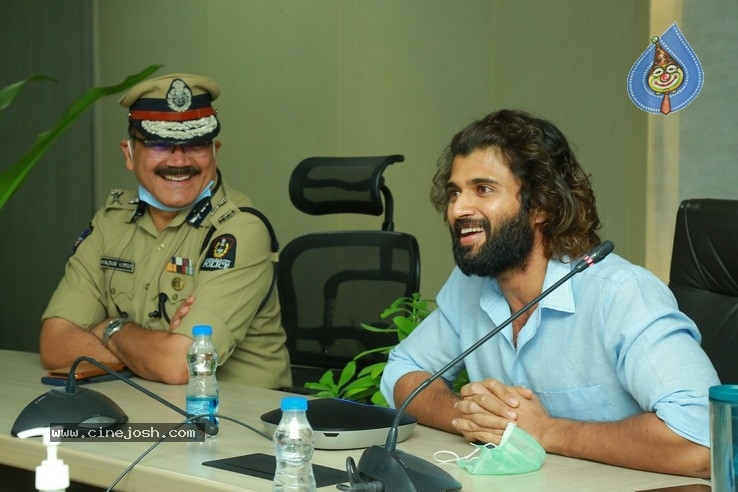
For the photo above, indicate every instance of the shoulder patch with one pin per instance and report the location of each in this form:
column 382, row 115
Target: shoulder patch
column 221, row 253
column 81, row 238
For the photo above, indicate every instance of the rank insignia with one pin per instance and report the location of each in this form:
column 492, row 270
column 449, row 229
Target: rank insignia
column 181, row 265
column 115, row 196
column 221, row 254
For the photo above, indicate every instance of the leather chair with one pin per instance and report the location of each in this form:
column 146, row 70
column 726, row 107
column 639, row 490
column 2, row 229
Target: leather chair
column 704, row 277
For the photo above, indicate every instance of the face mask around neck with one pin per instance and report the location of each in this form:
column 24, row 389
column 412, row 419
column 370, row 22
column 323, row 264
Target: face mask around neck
column 517, row 452
column 145, row 196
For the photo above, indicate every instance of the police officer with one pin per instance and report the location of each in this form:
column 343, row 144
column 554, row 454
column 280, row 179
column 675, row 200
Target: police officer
column 184, row 249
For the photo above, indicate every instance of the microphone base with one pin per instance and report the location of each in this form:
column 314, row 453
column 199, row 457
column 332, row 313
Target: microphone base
column 82, row 409
column 403, row 472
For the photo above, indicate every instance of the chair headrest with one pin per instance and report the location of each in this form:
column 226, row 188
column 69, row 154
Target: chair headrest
column 331, row 185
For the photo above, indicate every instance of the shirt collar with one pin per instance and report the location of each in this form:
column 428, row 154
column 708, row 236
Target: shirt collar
column 561, row 299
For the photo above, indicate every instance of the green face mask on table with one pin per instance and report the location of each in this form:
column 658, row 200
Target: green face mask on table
column 517, row 452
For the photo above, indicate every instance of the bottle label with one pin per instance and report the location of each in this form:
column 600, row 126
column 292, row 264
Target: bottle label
column 203, row 405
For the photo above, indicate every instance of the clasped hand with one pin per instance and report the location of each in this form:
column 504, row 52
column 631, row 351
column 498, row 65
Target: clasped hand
column 487, row 407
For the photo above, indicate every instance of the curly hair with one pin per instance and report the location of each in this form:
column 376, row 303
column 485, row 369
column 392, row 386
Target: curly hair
column 552, row 180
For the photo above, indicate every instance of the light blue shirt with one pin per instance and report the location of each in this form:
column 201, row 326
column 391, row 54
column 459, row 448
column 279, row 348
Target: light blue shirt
column 607, row 344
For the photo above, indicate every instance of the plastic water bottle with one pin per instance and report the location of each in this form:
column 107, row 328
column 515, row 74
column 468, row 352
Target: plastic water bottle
column 293, row 445
column 202, row 388
column 724, row 437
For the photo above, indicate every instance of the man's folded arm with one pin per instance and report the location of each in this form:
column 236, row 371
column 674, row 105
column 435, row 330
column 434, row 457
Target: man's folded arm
column 156, row 355
column 62, row 342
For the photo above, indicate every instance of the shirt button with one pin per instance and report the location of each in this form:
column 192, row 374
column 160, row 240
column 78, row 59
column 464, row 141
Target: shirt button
column 161, row 247
column 146, row 287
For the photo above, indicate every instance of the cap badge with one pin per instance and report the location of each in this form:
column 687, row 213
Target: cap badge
column 179, row 96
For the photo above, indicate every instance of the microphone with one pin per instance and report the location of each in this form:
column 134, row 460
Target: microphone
column 88, row 408
column 407, row 473
column 597, row 254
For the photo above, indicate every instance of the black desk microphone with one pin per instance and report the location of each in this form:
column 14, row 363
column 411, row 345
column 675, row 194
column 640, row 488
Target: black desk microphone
column 402, row 472
column 84, row 407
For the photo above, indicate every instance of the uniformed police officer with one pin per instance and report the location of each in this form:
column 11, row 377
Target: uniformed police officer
column 178, row 252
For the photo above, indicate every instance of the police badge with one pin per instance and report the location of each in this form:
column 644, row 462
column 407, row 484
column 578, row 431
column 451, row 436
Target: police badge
column 221, row 253
column 179, row 97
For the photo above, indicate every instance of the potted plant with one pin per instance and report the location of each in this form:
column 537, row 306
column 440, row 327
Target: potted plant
column 404, row 314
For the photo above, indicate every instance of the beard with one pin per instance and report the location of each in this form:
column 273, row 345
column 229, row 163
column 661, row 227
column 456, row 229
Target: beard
column 505, row 249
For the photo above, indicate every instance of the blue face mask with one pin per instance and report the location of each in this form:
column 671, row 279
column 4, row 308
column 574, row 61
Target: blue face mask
column 145, row 196
column 517, row 452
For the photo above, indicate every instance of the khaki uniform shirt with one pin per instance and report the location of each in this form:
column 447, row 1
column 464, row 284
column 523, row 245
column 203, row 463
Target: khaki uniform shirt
column 122, row 264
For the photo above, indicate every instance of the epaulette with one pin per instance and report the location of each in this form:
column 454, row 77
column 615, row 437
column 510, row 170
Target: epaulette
column 222, row 212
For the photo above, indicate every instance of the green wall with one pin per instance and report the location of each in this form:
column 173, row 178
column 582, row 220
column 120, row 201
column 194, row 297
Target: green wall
column 330, row 77
column 351, row 77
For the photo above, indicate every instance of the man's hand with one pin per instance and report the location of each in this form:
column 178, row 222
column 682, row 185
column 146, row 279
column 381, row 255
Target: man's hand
column 181, row 312
column 488, row 406
column 642, row 441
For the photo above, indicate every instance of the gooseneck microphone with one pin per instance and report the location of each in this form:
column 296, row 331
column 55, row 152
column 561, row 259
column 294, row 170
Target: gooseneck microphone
column 597, row 254
column 86, row 408
column 401, row 472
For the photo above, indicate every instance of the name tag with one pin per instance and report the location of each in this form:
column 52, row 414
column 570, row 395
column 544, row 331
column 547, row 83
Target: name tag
column 117, row 264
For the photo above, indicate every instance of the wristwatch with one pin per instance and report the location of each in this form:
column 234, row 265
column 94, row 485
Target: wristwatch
column 112, row 328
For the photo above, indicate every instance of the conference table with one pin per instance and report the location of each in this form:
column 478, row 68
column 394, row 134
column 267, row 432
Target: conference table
column 178, row 465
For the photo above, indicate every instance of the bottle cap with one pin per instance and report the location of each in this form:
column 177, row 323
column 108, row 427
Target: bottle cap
column 294, row 404
column 725, row 392
column 202, row 330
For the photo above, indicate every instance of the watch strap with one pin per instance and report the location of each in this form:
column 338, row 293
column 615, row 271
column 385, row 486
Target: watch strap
column 113, row 327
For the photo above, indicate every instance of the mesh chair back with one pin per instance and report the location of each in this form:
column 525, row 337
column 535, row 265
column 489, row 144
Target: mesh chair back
column 330, row 283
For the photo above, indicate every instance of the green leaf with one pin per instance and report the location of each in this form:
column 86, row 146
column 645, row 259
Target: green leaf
column 347, row 373
column 379, row 399
column 358, row 393
column 360, row 384
column 326, row 394
column 461, row 380
column 327, row 379
column 13, row 177
column 374, row 370
column 9, row 93
column 315, row 386
column 382, row 350
column 378, row 329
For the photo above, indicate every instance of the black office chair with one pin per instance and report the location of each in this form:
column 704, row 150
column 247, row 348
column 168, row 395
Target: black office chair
column 331, row 282
column 704, row 277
